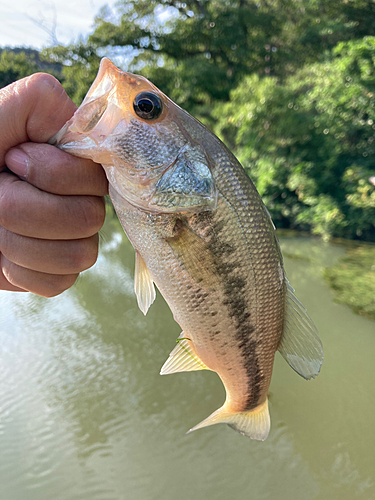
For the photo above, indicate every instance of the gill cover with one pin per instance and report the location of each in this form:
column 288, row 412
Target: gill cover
column 186, row 185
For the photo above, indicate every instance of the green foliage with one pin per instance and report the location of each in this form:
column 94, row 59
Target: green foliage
column 288, row 84
column 197, row 51
column 353, row 280
column 207, row 45
column 80, row 64
column 14, row 66
column 309, row 141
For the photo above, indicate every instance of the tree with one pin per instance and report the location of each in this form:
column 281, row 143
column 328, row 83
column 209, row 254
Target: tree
column 14, row 66
column 309, row 141
column 197, row 51
column 79, row 65
column 288, row 84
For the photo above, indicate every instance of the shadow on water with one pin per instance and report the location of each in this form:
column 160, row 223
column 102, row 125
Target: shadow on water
column 84, row 413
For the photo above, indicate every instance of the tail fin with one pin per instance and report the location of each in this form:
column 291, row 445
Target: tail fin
column 254, row 424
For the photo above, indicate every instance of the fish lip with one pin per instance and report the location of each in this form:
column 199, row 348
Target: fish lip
column 55, row 140
column 80, row 147
column 66, row 139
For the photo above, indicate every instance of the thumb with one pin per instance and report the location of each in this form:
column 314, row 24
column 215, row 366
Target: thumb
column 32, row 109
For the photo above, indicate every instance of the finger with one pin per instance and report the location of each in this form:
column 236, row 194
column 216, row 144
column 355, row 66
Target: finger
column 32, row 109
column 47, row 285
column 5, row 285
column 52, row 257
column 50, row 169
column 27, row 211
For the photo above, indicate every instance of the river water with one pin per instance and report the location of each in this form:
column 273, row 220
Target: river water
column 84, row 414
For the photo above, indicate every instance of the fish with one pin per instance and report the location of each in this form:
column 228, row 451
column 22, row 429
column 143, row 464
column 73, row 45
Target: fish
column 203, row 236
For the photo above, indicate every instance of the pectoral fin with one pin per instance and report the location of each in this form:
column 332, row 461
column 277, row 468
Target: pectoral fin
column 183, row 358
column 300, row 346
column 143, row 284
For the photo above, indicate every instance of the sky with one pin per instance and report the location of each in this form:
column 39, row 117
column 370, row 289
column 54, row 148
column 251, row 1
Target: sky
column 73, row 18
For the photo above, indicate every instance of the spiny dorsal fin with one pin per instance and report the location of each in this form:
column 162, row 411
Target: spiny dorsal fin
column 143, row 284
column 183, row 358
column 254, row 424
column 300, row 345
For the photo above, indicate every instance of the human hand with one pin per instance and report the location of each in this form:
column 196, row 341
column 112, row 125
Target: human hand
column 51, row 203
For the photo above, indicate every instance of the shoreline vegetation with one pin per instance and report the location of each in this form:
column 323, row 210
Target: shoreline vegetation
column 353, row 279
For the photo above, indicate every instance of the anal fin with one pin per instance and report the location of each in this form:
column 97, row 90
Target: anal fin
column 143, row 284
column 183, row 358
column 300, row 345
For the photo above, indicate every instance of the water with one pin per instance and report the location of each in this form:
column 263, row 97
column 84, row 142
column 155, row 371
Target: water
column 85, row 415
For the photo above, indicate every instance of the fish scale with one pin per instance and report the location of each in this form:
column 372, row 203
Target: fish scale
column 203, row 236
column 247, row 338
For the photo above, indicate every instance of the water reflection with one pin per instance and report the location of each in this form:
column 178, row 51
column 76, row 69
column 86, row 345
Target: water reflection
column 338, row 412
column 85, row 415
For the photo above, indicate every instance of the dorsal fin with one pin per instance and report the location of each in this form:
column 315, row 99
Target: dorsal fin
column 183, row 358
column 143, row 284
column 300, row 345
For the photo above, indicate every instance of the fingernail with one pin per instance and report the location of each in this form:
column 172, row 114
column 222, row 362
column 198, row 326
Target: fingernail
column 18, row 162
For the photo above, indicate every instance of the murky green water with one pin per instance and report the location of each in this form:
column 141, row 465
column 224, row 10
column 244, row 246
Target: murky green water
column 85, row 415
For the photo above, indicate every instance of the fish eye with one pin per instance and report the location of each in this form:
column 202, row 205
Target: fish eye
column 148, row 105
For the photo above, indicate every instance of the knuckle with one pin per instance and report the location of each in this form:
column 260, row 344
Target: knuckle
column 46, row 285
column 8, row 202
column 67, row 281
column 98, row 179
column 93, row 213
column 57, row 284
column 6, row 268
column 8, row 243
column 86, row 254
column 43, row 82
column 11, row 272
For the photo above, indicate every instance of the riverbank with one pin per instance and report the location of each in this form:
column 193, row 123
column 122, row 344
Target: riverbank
column 353, row 279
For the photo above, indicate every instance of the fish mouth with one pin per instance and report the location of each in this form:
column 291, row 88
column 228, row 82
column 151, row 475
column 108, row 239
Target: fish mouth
column 76, row 143
column 56, row 140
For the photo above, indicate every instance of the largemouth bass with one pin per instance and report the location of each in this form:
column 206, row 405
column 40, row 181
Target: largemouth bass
column 203, row 235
